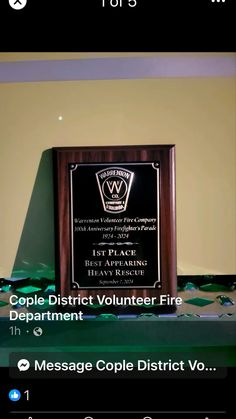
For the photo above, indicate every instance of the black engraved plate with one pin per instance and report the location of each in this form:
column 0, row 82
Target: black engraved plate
column 115, row 225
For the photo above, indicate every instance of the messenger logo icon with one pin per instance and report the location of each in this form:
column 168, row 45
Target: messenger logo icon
column 23, row 365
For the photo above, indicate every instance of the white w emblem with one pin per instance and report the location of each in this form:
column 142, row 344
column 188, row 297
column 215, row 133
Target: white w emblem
column 114, row 185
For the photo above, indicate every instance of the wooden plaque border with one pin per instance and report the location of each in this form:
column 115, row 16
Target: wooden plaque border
column 165, row 154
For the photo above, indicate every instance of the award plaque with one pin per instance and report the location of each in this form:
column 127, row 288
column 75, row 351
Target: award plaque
column 115, row 220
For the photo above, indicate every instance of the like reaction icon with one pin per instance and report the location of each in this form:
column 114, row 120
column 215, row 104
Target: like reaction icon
column 14, row 395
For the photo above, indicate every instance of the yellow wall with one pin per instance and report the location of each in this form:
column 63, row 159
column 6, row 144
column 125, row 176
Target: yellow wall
column 198, row 115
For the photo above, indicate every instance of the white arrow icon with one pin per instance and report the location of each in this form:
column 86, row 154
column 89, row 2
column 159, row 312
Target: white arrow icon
column 17, row 4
